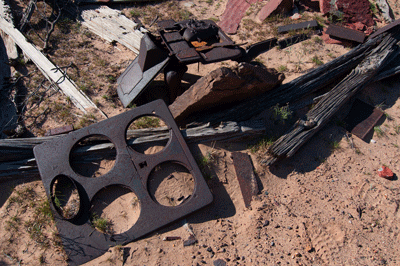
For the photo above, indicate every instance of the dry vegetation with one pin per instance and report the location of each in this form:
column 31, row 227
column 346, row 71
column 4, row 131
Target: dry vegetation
column 300, row 200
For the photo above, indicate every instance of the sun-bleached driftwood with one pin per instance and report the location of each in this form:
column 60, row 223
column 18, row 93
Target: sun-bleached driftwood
column 5, row 13
column 49, row 70
column 17, row 159
column 316, row 118
column 113, row 26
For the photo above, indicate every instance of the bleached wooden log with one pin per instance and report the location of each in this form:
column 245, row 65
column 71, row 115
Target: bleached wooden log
column 49, row 70
column 5, row 13
column 17, row 160
column 113, row 26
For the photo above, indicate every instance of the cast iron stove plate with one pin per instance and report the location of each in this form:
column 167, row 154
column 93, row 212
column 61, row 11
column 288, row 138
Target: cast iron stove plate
column 81, row 242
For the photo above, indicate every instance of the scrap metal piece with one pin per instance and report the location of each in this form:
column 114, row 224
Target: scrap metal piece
column 245, row 175
column 362, row 118
column 313, row 24
column 345, row 33
column 131, row 170
column 258, row 48
column 135, row 79
column 292, row 40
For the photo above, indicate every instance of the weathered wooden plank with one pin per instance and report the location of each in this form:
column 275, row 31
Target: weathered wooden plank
column 16, row 155
column 289, row 143
column 113, row 26
column 55, row 75
column 5, row 13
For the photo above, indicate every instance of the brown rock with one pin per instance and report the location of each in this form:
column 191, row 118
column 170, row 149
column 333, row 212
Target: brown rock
column 225, row 86
column 385, row 172
column 275, row 7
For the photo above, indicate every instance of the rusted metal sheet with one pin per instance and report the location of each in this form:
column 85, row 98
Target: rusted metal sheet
column 59, row 130
column 245, row 175
column 313, row 24
column 345, row 33
column 131, row 170
column 362, row 118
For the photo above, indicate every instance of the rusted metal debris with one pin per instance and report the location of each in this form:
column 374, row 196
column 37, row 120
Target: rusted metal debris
column 180, row 44
column 362, row 118
column 245, row 175
column 292, row 40
column 131, row 170
column 345, row 33
column 313, row 24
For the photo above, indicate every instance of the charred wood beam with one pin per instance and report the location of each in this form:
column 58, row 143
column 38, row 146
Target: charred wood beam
column 316, row 118
column 293, row 90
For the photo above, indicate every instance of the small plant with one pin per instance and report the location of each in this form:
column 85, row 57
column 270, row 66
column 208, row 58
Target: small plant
column 102, row 224
column 147, row 122
column 331, row 55
column 282, row 113
column 318, row 40
column 397, row 129
column 317, row 61
column 262, row 144
column 335, row 145
column 210, row 2
column 379, row 132
column 134, row 13
column 282, row 68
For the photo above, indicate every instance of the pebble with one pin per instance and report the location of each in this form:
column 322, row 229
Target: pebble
column 189, row 4
column 272, row 244
column 266, row 223
column 373, row 141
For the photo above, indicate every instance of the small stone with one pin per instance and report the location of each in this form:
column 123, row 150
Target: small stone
column 272, row 244
column 266, row 223
column 289, row 227
column 191, row 241
column 373, row 141
column 385, row 172
column 219, row 262
column 209, row 249
column 189, row 4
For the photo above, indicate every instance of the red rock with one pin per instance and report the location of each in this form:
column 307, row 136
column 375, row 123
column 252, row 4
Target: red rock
column 310, row 4
column 325, row 6
column 356, row 11
column 357, row 26
column 233, row 14
column 275, row 7
column 327, row 39
column 385, row 173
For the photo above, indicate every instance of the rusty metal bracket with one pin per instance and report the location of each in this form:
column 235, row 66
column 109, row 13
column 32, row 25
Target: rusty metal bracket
column 245, row 175
column 131, row 170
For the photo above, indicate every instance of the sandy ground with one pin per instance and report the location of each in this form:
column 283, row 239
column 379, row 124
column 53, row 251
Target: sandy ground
column 325, row 206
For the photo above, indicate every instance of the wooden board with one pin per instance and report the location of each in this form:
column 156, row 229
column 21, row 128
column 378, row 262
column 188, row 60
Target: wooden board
column 113, row 26
column 49, row 70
